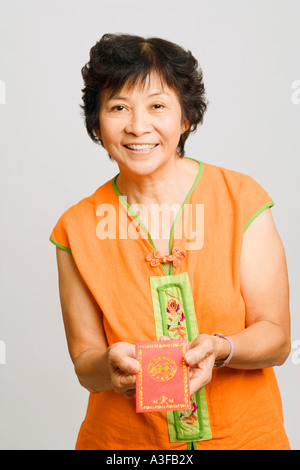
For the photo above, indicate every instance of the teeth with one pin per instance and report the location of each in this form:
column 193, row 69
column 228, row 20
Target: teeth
column 141, row 147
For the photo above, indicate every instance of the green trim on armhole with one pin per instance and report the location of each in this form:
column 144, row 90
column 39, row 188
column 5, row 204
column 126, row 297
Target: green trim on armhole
column 269, row 204
column 175, row 317
column 59, row 245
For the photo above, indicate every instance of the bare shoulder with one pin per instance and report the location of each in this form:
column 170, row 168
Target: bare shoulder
column 263, row 271
column 262, row 236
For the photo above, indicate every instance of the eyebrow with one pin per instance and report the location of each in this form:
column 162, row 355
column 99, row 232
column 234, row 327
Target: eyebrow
column 157, row 93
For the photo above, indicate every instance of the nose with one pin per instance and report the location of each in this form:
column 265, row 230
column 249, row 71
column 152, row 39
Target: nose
column 139, row 123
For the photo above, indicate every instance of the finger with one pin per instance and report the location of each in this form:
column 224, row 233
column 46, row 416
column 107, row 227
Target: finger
column 198, row 352
column 128, row 364
column 127, row 381
column 198, row 383
column 123, row 383
column 129, row 394
column 122, row 357
column 195, row 387
column 195, row 356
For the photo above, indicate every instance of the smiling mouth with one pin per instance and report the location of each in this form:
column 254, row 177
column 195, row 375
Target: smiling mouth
column 141, row 147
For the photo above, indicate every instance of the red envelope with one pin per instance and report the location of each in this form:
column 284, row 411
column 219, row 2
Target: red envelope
column 162, row 383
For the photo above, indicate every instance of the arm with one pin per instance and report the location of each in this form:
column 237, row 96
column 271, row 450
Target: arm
column 265, row 342
column 97, row 366
column 265, row 289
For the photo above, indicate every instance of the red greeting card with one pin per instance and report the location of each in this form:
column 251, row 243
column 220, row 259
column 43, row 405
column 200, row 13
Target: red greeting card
column 162, row 383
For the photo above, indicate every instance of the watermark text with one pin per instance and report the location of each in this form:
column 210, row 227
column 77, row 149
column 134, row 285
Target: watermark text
column 2, row 92
column 296, row 94
column 2, row 353
column 156, row 220
column 296, row 352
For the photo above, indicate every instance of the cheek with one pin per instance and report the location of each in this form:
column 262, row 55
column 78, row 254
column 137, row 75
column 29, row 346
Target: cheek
column 109, row 130
column 173, row 131
column 169, row 125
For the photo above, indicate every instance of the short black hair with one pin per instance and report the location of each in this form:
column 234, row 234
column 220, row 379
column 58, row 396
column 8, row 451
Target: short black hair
column 119, row 59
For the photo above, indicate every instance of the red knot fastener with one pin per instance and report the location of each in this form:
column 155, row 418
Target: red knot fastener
column 176, row 257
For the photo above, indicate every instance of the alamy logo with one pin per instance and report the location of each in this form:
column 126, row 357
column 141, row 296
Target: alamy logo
column 296, row 352
column 2, row 92
column 2, row 352
column 296, row 94
column 156, row 220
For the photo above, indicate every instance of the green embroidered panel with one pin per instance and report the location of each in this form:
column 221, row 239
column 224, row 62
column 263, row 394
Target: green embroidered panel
column 175, row 317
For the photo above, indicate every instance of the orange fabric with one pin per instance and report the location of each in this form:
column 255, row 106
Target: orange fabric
column 244, row 406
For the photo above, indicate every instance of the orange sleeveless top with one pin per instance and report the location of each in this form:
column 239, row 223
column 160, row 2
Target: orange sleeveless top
column 140, row 300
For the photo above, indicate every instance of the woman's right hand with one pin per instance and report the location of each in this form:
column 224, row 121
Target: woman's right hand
column 122, row 368
column 99, row 367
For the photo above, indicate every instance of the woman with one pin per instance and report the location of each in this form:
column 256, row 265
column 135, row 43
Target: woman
column 217, row 279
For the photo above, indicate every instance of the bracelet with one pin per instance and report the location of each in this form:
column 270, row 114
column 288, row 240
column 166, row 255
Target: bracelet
column 223, row 363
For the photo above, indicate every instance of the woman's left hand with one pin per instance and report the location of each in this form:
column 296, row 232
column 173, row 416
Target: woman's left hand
column 203, row 352
column 201, row 356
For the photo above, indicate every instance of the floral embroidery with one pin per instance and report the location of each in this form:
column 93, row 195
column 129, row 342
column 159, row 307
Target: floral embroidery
column 176, row 318
column 156, row 258
column 190, row 416
column 173, row 307
column 179, row 331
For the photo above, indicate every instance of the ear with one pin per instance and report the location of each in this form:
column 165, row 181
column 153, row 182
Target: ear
column 98, row 133
column 185, row 126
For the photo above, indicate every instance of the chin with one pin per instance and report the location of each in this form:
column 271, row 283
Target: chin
column 144, row 168
column 146, row 165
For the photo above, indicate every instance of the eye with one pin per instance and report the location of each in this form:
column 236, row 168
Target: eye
column 158, row 106
column 118, row 107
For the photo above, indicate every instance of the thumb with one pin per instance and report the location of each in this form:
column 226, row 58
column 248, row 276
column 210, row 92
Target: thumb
column 128, row 364
column 123, row 357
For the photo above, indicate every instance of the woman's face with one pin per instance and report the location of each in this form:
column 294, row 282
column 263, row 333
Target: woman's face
column 140, row 128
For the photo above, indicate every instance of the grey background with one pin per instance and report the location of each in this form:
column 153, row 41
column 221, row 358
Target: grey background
column 249, row 53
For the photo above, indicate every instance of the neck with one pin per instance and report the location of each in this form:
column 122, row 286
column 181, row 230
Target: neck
column 158, row 187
